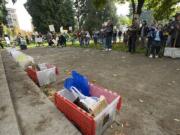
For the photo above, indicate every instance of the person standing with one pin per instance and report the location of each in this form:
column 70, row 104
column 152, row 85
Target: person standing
column 49, row 38
column 1, row 35
column 82, row 38
column 87, row 38
column 133, row 31
column 119, row 35
column 7, row 39
column 62, row 41
column 143, row 33
column 18, row 39
column 103, row 37
column 151, row 30
column 95, row 37
column 109, row 34
column 114, row 36
column 27, row 40
column 175, row 37
column 157, row 36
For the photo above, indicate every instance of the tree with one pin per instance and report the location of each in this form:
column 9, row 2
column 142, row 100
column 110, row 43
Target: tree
column 162, row 10
column 46, row 12
column 3, row 11
column 137, row 5
column 96, row 17
column 80, row 11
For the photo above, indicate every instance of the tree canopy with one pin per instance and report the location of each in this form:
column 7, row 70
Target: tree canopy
column 46, row 12
column 95, row 17
column 162, row 8
column 80, row 11
column 3, row 11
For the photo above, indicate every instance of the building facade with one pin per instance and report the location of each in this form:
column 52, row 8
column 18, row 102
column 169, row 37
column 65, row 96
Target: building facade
column 11, row 18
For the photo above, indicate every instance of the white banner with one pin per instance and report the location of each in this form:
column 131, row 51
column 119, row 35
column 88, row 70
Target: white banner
column 51, row 28
column 61, row 29
column 70, row 29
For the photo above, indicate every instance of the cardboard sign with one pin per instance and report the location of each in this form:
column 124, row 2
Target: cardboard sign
column 70, row 29
column 38, row 40
column 51, row 28
column 61, row 29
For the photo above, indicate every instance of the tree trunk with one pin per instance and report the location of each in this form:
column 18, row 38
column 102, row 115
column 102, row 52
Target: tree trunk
column 139, row 6
column 133, row 7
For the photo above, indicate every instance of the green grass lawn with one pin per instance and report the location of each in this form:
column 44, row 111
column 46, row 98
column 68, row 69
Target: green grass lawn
column 117, row 47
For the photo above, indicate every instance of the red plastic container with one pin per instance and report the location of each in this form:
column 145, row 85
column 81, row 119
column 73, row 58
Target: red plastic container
column 32, row 73
column 87, row 124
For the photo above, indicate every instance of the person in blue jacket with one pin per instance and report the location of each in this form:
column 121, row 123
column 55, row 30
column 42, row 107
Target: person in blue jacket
column 157, row 37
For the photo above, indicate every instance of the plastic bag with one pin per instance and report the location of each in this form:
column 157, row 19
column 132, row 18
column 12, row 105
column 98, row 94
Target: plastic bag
column 79, row 81
column 46, row 76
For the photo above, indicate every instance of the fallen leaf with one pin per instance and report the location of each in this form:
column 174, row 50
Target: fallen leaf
column 68, row 73
column 174, row 82
column 115, row 75
column 93, row 81
column 126, row 124
column 141, row 101
column 169, row 84
column 177, row 120
column 112, row 126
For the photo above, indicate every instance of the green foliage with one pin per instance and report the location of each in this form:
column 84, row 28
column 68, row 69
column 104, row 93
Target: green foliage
column 96, row 17
column 3, row 11
column 46, row 12
column 162, row 9
column 123, row 20
column 99, row 4
column 80, row 11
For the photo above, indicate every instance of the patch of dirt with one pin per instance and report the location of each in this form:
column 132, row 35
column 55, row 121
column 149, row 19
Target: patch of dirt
column 3, row 108
column 150, row 88
column 2, row 112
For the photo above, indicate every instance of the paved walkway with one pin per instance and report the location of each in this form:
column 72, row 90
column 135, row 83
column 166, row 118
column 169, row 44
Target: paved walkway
column 8, row 121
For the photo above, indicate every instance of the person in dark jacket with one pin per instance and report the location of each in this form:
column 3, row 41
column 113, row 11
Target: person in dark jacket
column 114, row 36
column 175, row 40
column 157, row 37
column 62, row 40
column 119, row 35
column 151, row 29
column 133, row 32
column 109, row 34
column 143, row 33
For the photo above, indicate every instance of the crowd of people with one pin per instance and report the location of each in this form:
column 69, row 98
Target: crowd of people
column 105, row 36
column 153, row 37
